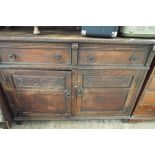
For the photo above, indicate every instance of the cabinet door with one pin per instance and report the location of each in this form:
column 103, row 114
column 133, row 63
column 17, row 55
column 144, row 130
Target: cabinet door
column 38, row 92
column 107, row 92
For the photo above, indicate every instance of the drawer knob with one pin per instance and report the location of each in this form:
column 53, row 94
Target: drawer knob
column 58, row 58
column 68, row 94
column 91, row 59
column 12, row 57
column 133, row 59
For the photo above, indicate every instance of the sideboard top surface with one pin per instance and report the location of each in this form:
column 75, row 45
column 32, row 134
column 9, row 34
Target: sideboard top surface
column 26, row 35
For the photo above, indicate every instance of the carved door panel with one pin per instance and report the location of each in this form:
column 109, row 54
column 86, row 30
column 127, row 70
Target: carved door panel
column 107, row 92
column 38, row 92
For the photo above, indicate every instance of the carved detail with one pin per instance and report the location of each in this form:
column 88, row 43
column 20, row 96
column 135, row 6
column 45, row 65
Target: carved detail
column 107, row 81
column 39, row 82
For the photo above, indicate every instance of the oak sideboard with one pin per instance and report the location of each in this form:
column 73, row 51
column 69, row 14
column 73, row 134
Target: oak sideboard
column 62, row 75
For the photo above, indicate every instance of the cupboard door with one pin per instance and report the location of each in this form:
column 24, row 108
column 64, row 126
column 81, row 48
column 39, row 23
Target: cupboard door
column 107, row 92
column 38, row 92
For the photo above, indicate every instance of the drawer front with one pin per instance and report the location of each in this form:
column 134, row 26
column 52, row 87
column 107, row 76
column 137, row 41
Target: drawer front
column 107, row 55
column 58, row 54
column 39, row 92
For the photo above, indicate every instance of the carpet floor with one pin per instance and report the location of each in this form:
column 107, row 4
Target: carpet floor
column 89, row 124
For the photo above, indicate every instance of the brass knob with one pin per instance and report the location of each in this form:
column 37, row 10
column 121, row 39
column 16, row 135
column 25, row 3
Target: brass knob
column 91, row 59
column 12, row 57
column 58, row 58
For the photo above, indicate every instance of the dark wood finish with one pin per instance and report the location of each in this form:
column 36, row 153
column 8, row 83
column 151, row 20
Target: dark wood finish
column 145, row 109
column 112, row 55
column 5, row 113
column 107, row 92
column 55, row 54
column 61, row 75
column 37, row 91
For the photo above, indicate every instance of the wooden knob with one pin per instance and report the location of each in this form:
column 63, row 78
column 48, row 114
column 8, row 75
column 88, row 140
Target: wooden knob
column 36, row 30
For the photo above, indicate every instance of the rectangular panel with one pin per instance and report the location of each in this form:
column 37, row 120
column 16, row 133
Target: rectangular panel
column 107, row 81
column 118, row 55
column 44, row 102
column 103, row 101
column 54, row 54
column 39, row 82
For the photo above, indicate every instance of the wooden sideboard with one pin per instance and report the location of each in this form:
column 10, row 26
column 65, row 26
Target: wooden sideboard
column 62, row 75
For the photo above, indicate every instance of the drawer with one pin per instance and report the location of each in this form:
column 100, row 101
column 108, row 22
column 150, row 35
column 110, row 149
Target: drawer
column 58, row 54
column 107, row 55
